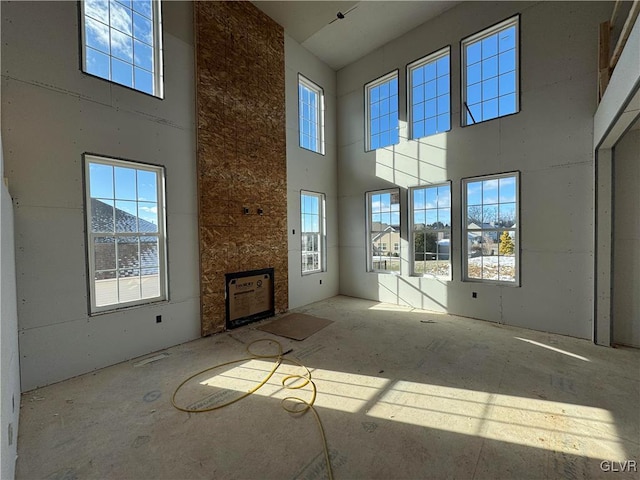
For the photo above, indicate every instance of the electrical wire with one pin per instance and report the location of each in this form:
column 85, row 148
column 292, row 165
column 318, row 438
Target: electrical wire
column 291, row 404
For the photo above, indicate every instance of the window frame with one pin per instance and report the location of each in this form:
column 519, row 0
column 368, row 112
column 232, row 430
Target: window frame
column 319, row 114
column 449, row 230
column 478, row 36
column 322, row 224
column 158, row 51
column 465, row 229
column 367, row 108
column 419, row 63
column 368, row 230
column 161, row 234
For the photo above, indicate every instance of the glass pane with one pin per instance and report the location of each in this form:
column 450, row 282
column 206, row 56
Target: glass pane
column 474, row 216
column 150, row 282
column 442, row 65
column 100, row 180
column 121, row 46
column 419, row 219
column 474, row 193
column 490, row 46
column 120, row 17
column 444, row 122
column 489, row 215
column 143, row 7
column 104, row 249
column 126, row 216
column 418, row 198
column 474, row 73
column 507, row 61
column 129, row 285
column 142, row 29
column 98, row 9
column 128, row 256
column 98, row 64
column 121, row 72
column 490, row 109
column 106, row 288
column 507, row 38
column 125, row 183
column 102, row 216
column 443, row 104
column 507, row 104
column 432, row 218
column 149, row 252
column 444, row 196
column 147, row 217
column 143, row 81
column 507, row 83
column 442, row 86
column 507, row 268
column 490, row 89
column 507, row 215
column 490, row 191
column 444, row 217
column 507, row 189
column 97, row 35
column 490, row 68
column 147, row 187
column 143, row 55
column 474, row 53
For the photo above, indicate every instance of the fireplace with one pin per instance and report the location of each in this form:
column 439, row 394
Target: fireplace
column 249, row 296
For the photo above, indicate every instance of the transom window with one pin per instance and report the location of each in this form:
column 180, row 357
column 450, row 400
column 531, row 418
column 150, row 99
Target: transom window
column 429, row 94
column 126, row 233
column 312, row 232
column 490, row 62
column 491, row 228
column 310, row 115
column 430, row 216
column 383, row 230
column 382, row 127
column 122, row 42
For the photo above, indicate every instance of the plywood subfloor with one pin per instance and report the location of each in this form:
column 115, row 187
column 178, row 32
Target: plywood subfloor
column 402, row 394
column 296, row 326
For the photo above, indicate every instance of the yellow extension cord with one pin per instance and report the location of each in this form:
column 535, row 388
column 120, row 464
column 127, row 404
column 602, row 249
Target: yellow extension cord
column 300, row 407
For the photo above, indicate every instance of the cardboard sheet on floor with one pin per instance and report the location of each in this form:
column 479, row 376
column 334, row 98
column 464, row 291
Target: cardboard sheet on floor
column 296, row 326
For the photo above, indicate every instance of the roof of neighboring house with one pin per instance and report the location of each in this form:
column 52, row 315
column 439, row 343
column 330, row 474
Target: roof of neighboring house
column 102, row 219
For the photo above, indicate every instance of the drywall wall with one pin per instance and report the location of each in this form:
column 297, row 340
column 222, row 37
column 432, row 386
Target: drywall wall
column 241, row 151
column 626, row 241
column 9, row 354
column 549, row 141
column 53, row 113
column 307, row 170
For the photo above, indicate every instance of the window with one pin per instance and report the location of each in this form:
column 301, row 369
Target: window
column 312, row 231
column 122, row 42
column 383, row 228
column 429, row 94
column 431, row 230
column 382, row 112
column 126, row 233
column 490, row 73
column 310, row 115
column 491, row 228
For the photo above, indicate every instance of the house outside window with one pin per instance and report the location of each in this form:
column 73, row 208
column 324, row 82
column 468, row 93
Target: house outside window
column 430, row 216
column 381, row 116
column 122, row 43
column 491, row 228
column 383, row 229
column 428, row 94
column 490, row 73
column 126, row 233
column 310, row 115
column 312, row 232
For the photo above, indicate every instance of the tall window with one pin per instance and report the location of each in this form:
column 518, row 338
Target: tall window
column 490, row 62
column 431, row 230
column 122, row 42
column 382, row 112
column 312, row 231
column 310, row 115
column 126, row 233
column 491, row 228
column 429, row 94
column 383, row 230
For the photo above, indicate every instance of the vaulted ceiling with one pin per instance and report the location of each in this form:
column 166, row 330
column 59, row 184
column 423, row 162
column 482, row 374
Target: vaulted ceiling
column 362, row 28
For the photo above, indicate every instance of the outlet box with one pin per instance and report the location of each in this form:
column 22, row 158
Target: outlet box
column 474, row 294
column 158, row 318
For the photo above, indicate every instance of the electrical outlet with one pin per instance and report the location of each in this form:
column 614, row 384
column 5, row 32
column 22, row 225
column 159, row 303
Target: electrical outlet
column 320, row 281
column 474, row 294
column 158, row 318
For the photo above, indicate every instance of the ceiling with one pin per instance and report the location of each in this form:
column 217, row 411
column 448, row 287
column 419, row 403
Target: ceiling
column 365, row 27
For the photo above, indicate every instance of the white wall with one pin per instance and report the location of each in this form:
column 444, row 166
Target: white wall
column 53, row 114
column 9, row 355
column 549, row 142
column 626, row 241
column 310, row 171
